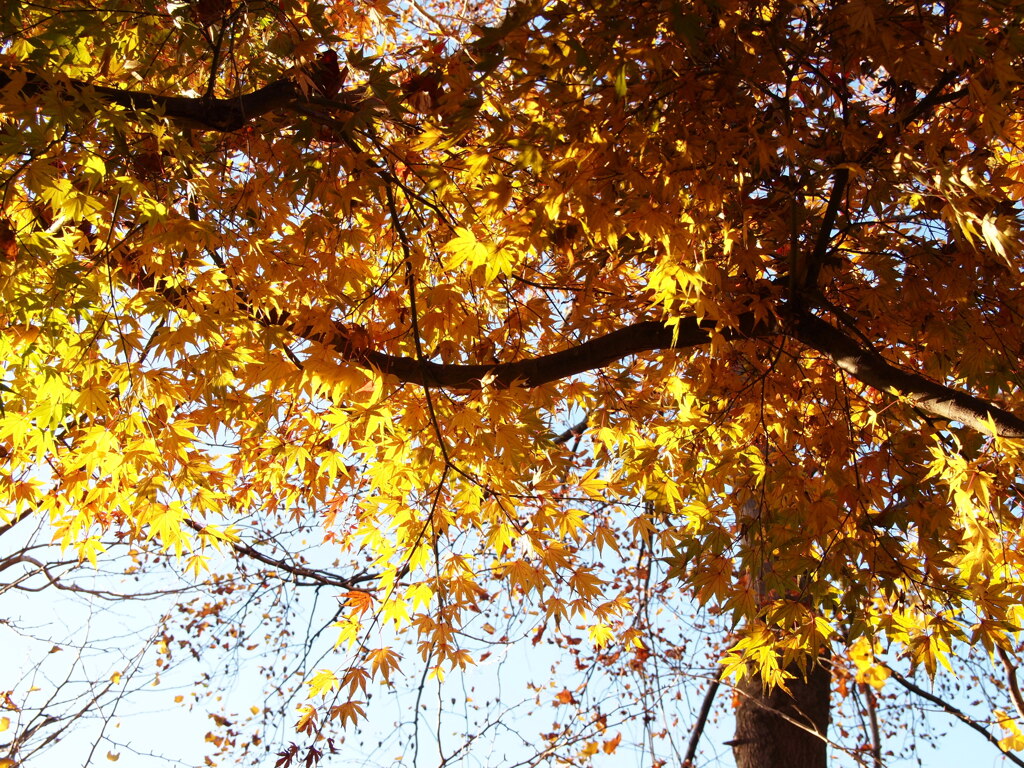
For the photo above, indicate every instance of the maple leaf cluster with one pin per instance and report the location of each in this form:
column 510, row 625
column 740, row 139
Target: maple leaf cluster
column 547, row 302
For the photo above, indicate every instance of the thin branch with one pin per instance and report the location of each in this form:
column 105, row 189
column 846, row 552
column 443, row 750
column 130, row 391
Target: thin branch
column 575, row 431
column 57, row 582
column 951, row 710
column 805, row 277
column 1011, row 679
column 702, row 719
column 876, row 736
column 934, row 97
column 313, row 574
column 410, row 282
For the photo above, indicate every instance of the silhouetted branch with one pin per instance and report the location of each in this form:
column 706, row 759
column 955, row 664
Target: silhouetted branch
column 869, row 367
column 702, row 719
column 873, row 730
column 200, row 113
column 1011, row 679
column 863, row 364
column 316, row 575
column 951, row 710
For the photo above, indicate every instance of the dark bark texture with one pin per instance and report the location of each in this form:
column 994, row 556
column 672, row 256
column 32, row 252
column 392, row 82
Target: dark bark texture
column 775, row 729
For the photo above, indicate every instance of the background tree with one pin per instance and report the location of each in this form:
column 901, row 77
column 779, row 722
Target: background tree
column 532, row 301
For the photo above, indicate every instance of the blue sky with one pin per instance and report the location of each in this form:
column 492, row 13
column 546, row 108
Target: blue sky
column 60, row 641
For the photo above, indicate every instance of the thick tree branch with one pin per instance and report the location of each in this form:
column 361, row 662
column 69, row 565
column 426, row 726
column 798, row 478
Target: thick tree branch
column 194, row 112
column 808, row 281
column 861, row 363
column 869, row 367
column 597, row 353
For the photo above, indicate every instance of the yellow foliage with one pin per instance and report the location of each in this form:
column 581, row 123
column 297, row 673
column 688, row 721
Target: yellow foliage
column 868, row 670
column 546, row 308
column 322, row 683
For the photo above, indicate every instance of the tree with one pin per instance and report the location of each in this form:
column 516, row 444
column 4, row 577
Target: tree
column 549, row 301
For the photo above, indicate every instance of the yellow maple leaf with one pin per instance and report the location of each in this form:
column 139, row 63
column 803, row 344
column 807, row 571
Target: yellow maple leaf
column 465, row 248
column 601, row 635
column 868, row 670
column 322, row 683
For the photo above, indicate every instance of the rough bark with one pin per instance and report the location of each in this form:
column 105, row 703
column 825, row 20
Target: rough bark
column 775, row 729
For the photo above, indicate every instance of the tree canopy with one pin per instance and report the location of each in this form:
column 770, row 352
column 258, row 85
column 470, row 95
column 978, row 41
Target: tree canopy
column 543, row 300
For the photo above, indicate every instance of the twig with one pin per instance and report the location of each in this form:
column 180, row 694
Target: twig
column 318, row 576
column 951, row 710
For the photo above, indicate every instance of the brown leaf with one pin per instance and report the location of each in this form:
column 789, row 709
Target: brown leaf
column 8, row 241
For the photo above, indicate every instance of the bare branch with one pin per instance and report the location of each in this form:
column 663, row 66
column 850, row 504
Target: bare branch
column 702, row 719
column 316, row 575
column 951, row 710
column 1011, row 679
column 876, row 736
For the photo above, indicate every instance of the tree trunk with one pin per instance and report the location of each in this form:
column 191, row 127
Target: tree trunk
column 777, row 730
